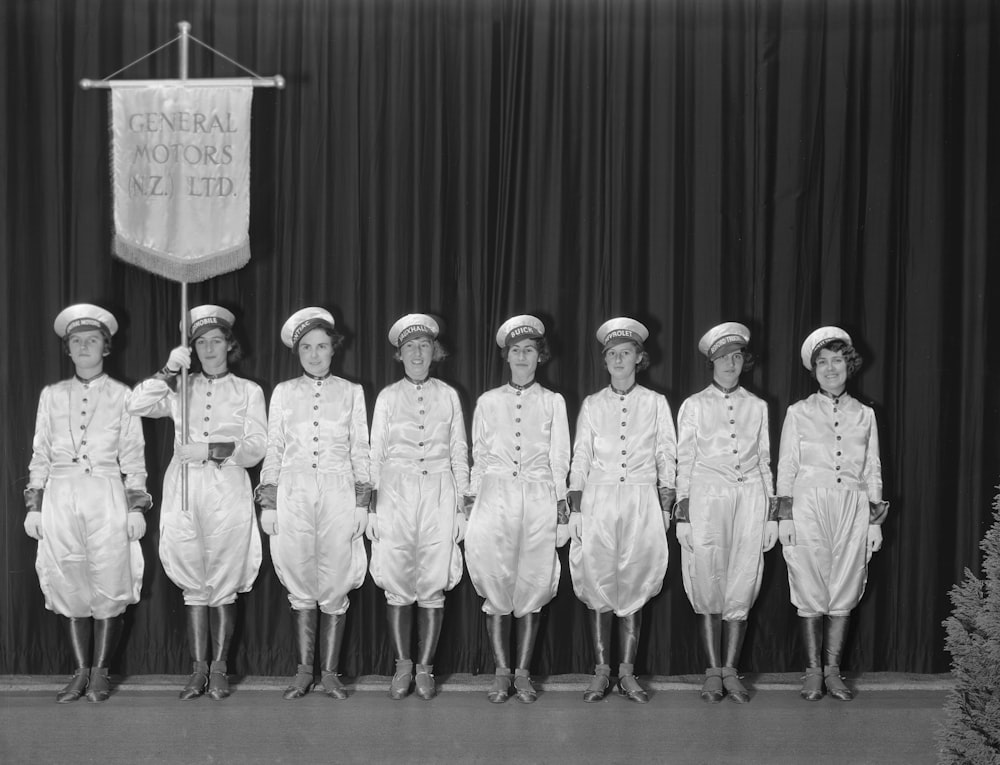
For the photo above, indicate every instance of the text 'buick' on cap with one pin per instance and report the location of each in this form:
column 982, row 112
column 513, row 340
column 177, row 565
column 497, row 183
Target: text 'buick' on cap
column 83, row 316
column 204, row 318
column 621, row 330
column 411, row 326
column 518, row 328
column 302, row 321
column 724, row 338
column 818, row 339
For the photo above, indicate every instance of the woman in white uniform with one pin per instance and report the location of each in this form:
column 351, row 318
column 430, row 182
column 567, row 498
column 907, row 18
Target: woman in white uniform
column 621, row 493
column 87, row 520
column 419, row 473
column 724, row 496
column 830, row 506
column 314, row 494
column 211, row 549
column 520, row 455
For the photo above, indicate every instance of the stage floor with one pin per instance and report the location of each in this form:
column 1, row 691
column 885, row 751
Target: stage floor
column 892, row 720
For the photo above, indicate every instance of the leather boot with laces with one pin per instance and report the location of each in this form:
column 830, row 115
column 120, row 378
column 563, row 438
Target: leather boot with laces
column 524, row 691
column 301, row 683
column 399, row 688
column 835, row 684
column 424, row 680
column 599, row 684
column 76, row 686
column 197, row 682
column 499, row 692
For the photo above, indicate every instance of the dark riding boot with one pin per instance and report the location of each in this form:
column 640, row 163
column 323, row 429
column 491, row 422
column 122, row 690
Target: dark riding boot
column 429, row 621
column 498, row 628
column 629, row 628
column 835, row 637
column 600, row 632
column 331, row 636
column 812, row 641
column 305, row 644
column 106, row 635
column 710, row 634
column 400, row 620
column 732, row 640
column 197, row 634
column 223, row 620
column 527, row 631
column 79, row 640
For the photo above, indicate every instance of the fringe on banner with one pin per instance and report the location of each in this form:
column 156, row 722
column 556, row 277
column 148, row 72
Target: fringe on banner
column 183, row 269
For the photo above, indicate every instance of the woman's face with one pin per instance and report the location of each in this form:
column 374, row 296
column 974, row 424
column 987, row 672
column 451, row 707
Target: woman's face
column 621, row 361
column 416, row 355
column 213, row 350
column 316, row 352
column 728, row 368
column 87, row 351
column 523, row 360
column 831, row 371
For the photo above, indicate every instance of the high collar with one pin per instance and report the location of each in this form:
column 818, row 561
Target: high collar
column 625, row 392
column 219, row 376
column 516, row 386
column 89, row 380
column 318, row 378
column 411, row 381
column 835, row 399
column 725, row 390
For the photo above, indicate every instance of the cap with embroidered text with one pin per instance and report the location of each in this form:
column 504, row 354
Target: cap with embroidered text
column 411, row 326
column 204, row 318
column 818, row 339
column 723, row 338
column 84, row 316
column 302, row 321
column 518, row 328
column 619, row 330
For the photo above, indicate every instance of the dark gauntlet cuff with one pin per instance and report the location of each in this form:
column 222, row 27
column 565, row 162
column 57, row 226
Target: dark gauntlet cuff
column 780, row 509
column 362, row 494
column 139, row 501
column 681, row 511
column 221, row 451
column 33, row 499
column 267, row 496
column 562, row 512
column 877, row 512
column 667, row 496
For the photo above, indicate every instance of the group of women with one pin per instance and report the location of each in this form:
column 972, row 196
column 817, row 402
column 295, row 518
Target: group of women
column 327, row 481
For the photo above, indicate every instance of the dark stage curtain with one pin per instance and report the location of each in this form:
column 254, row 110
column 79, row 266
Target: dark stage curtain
column 785, row 164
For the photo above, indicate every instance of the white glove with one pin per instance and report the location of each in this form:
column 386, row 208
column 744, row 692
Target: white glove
column 461, row 526
column 136, row 524
column 684, row 536
column 874, row 539
column 191, row 452
column 770, row 535
column 33, row 524
column 269, row 522
column 576, row 527
column 562, row 534
column 180, row 358
column 786, row 533
column 372, row 531
column 360, row 522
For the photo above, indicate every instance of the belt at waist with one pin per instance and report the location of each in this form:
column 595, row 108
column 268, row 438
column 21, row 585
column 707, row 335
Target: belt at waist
column 82, row 469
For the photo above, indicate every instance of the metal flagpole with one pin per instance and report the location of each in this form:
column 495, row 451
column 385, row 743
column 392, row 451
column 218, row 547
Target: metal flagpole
column 185, row 29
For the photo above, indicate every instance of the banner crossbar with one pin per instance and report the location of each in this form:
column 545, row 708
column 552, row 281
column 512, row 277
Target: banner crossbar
column 255, row 80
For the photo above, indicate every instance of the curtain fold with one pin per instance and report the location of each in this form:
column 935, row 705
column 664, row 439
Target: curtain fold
column 784, row 163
